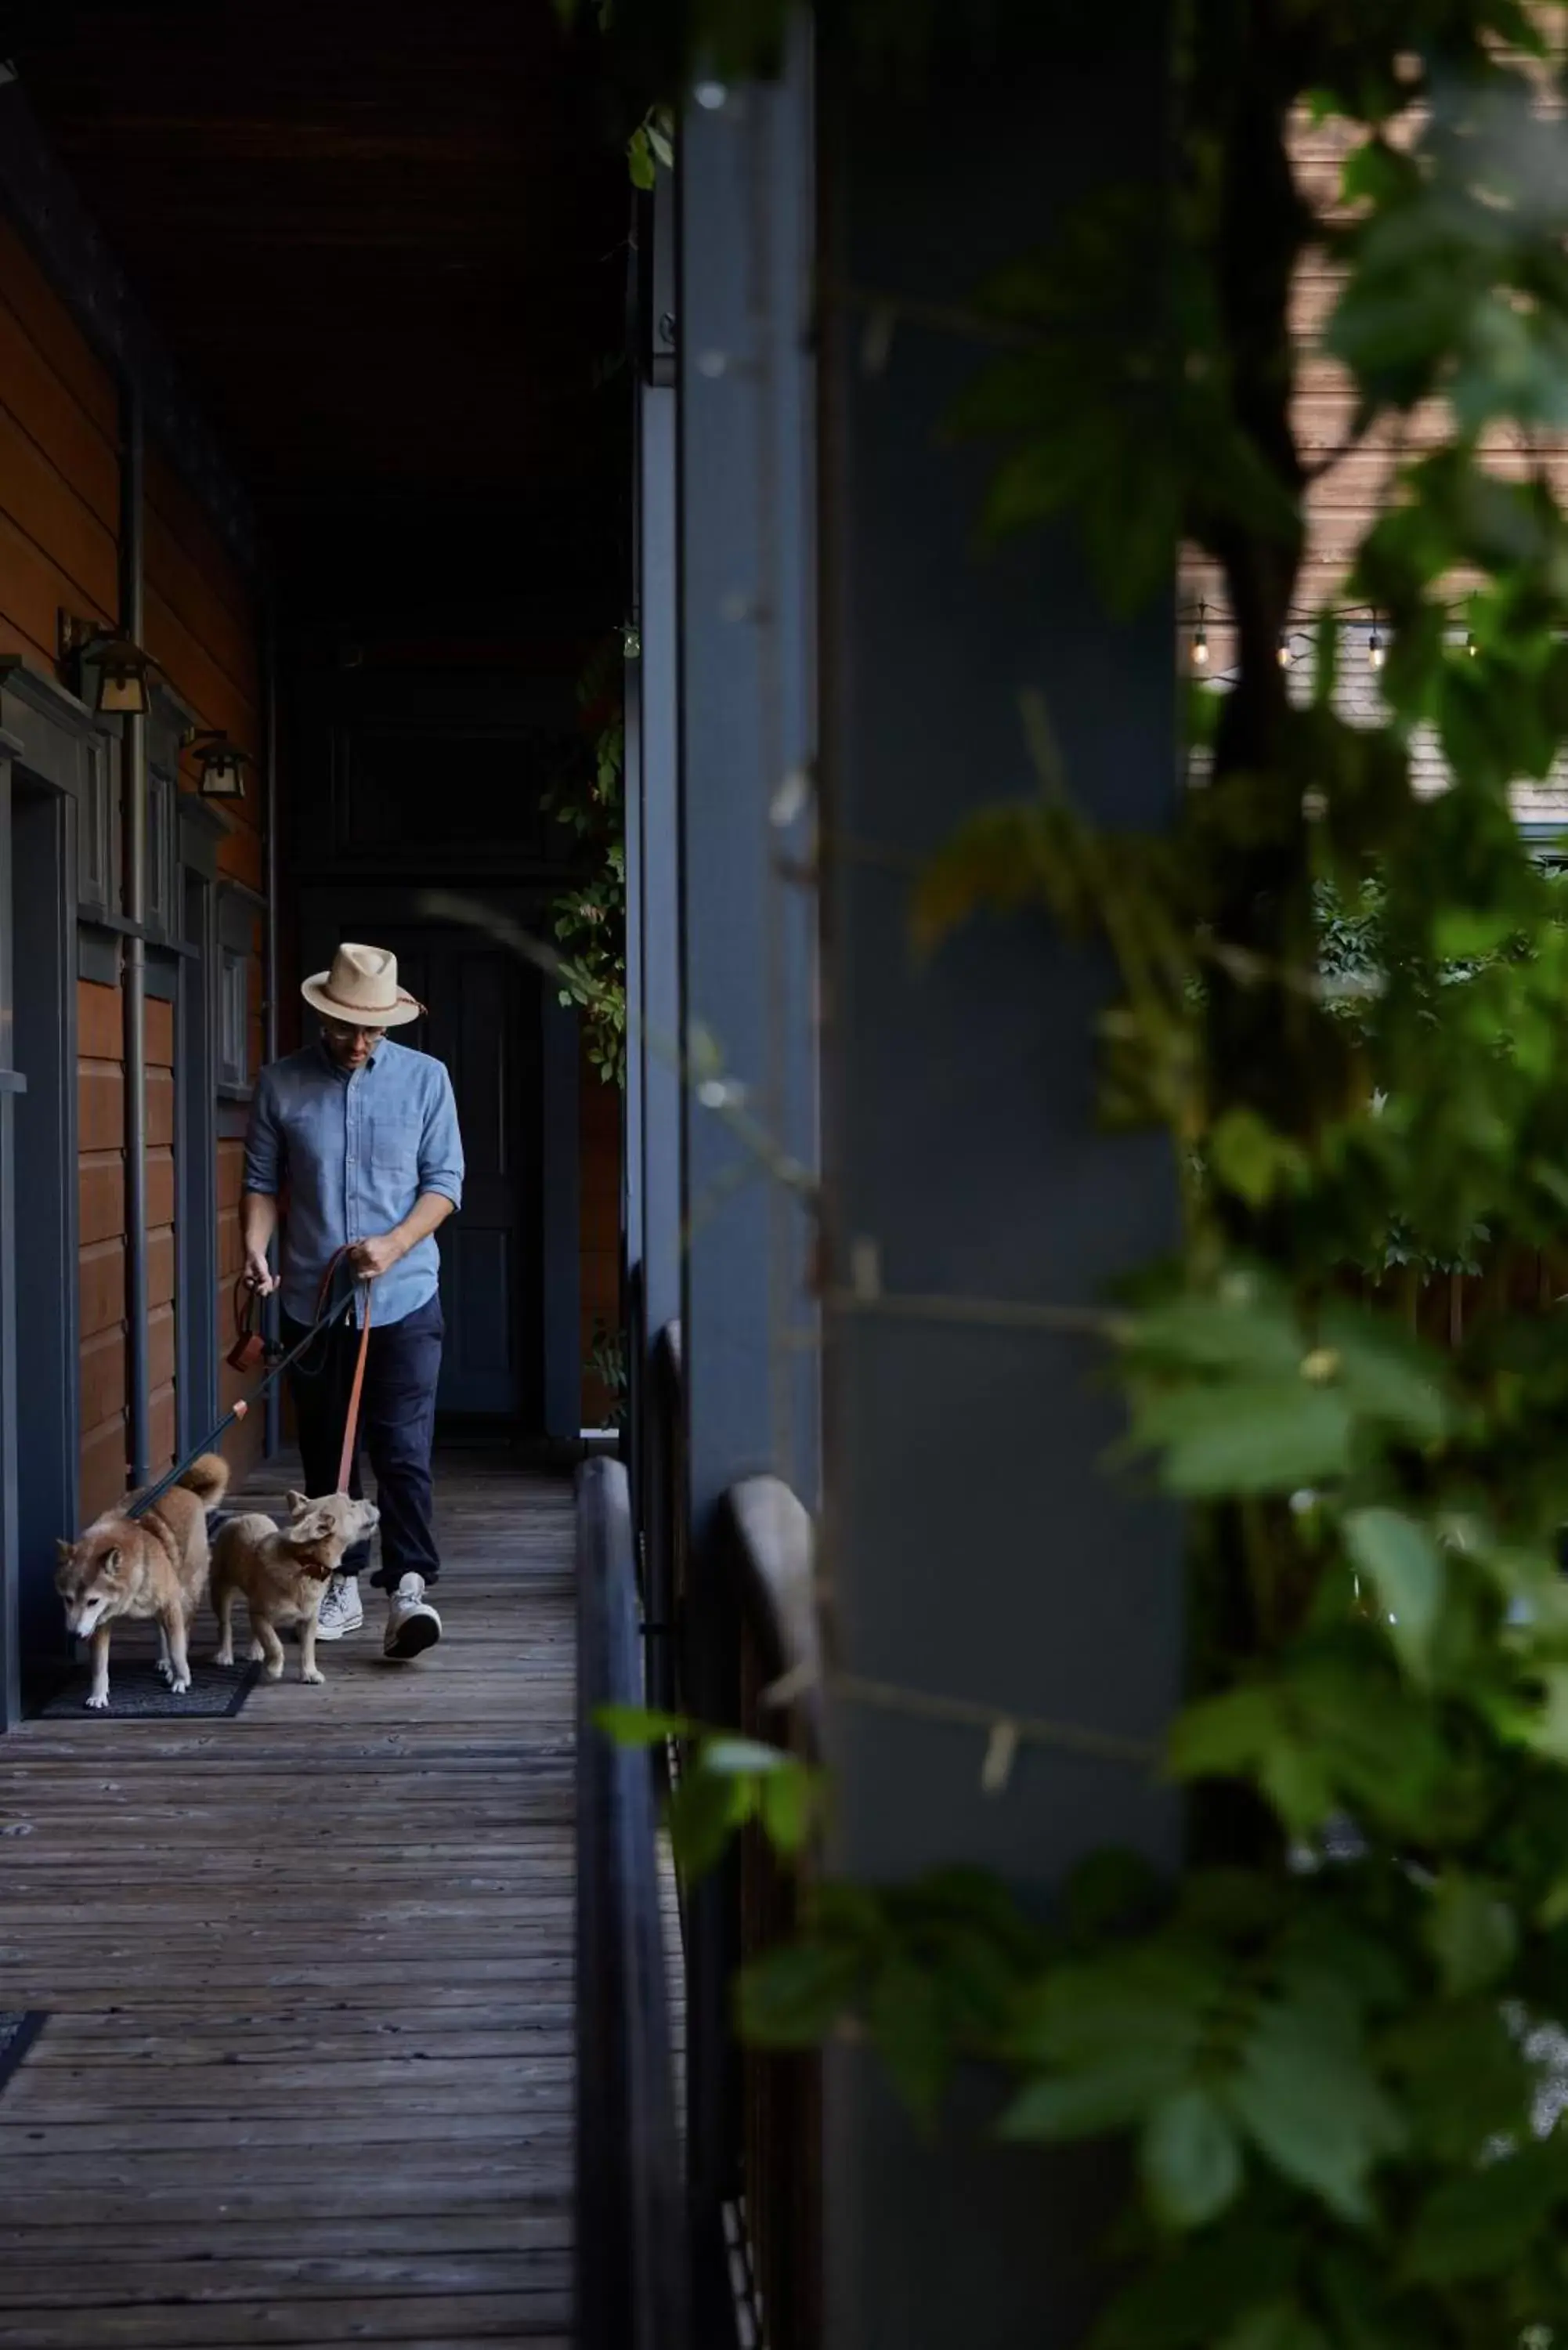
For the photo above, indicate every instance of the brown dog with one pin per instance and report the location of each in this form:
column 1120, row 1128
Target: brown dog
column 282, row 1572
column 154, row 1565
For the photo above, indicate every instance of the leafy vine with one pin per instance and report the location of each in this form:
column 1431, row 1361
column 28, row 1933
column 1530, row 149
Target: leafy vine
column 1333, row 2041
column 587, row 919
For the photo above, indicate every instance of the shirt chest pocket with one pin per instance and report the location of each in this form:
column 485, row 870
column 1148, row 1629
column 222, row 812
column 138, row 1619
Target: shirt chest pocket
column 394, row 1143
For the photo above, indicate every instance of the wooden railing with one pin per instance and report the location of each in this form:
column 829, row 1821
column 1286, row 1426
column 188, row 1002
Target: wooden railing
column 723, row 1632
column 766, row 1537
column 632, row 2269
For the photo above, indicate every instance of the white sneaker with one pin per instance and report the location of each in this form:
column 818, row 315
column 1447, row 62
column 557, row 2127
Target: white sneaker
column 342, row 1610
column 412, row 1624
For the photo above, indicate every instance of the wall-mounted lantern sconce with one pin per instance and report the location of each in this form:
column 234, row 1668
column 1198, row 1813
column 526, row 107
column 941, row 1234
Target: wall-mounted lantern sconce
column 123, row 672
column 222, row 765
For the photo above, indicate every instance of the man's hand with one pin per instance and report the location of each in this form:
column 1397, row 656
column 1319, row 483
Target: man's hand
column 258, row 1276
column 377, row 1255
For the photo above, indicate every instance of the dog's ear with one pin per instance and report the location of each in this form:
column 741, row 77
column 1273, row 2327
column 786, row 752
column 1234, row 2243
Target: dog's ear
column 64, row 1551
column 111, row 1559
column 297, row 1502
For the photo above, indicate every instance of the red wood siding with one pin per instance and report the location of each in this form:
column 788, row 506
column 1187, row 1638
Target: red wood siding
column 60, row 507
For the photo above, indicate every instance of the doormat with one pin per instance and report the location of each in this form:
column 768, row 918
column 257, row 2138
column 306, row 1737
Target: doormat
column 18, row 2030
column 137, row 1692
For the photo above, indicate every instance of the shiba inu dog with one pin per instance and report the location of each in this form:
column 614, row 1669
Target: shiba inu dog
column 281, row 1573
column 154, row 1565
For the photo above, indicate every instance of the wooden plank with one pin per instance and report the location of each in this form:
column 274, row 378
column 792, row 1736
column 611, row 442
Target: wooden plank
column 309, row 2075
column 188, row 590
column 47, row 507
column 55, row 335
column 432, row 2318
column 217, row 699
column 326, row 2236
column 100, row 1286
column 34, row 587
column 100, row 1022
column 102, row 1180
column 80, row 452
column 195, row 2278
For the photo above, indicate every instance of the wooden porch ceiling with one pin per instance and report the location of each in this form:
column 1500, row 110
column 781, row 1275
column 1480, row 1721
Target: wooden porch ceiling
column 384, row 241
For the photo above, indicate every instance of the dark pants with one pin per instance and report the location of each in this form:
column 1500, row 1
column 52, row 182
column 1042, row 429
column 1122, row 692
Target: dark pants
column 396, row 1424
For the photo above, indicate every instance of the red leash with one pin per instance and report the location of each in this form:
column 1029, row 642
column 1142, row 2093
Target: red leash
column 351, row 1425
column 249, row 1350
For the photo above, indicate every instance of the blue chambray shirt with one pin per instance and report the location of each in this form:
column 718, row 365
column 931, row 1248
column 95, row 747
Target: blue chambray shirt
column 357, row 1150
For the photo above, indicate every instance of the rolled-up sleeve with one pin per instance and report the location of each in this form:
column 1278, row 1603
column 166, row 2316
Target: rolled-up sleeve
column 264, row 1141
column 441, row 1145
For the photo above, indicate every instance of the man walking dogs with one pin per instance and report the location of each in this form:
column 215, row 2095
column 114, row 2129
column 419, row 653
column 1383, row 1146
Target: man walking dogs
column 361, row 1136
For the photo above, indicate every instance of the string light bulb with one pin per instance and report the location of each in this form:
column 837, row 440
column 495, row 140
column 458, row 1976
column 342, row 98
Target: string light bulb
column 1376, row 652
column 1470, row 642
column 1284, row 649
column 1200, row 639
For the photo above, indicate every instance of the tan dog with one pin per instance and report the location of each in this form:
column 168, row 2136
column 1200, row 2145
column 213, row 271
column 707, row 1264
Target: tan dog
column 282, row 1572
column 154, row 1565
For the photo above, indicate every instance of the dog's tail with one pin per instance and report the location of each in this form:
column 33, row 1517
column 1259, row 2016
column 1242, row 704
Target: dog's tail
column 208, row 1478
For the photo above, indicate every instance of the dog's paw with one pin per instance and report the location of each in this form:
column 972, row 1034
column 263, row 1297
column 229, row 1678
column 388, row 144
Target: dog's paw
column 222, row 1656
column 274, row 1672
column 178, row 1687
column 312, row 1673
column 257, row 1653
column 97, row 1702
column 166, row 1668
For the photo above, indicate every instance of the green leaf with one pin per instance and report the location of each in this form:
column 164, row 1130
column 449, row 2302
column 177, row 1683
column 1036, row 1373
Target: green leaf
column 1254, row 1331
column 787, row 1802
column 1274, row 1437
column 1190, row 2160
column 640, row 1725
column 639, row 159
column 1471, row 1932
column 905, row 2015
column 792, row 1998
column 744, row 1757
column 1224, row 1734
column 1120, row 2038
column 1277, row 2326
column 1249, row 1158
column 1405, row 1568
column 1480, row 2225
column 1109, row 1891
column 1062, row 2107
column 1307, row 2097
column 1189, row 2299
column 705, row 1811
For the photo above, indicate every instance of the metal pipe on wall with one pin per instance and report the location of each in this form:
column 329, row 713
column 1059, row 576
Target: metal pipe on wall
column 269, row 935
column 133, row 992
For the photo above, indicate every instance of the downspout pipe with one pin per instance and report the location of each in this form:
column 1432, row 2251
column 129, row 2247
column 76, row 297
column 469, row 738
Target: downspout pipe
column 269, row 935
column 133, row 992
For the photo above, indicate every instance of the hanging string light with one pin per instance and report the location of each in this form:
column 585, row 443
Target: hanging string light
column 1200, row 639
column 1376, row 652
column 1284, row 651
column 1470, row 642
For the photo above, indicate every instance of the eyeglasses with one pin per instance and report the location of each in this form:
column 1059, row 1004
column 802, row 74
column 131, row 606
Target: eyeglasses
column 342, row 1035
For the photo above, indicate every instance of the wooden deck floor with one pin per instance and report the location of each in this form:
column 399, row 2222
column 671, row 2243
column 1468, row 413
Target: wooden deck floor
column 308, row 2072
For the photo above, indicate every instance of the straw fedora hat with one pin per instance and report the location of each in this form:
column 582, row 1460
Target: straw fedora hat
column 361, row 989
